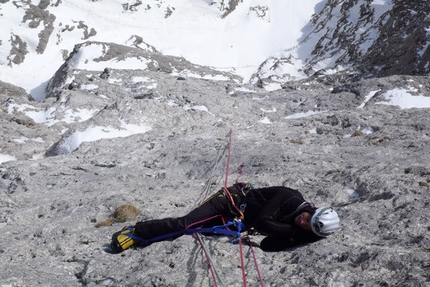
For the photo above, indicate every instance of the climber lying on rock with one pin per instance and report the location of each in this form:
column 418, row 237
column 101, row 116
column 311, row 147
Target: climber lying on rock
column 278, row 212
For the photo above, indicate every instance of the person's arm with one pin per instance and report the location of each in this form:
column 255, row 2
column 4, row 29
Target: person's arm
column 268, row 221
column 278, row 243
column 274, row 243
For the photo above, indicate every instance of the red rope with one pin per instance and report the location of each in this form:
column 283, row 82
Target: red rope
column 230, row 198
column 225, row 189
column 255, row 262
column 228, row 194
column 240, row 171
column 204, row 221
column 242, row 262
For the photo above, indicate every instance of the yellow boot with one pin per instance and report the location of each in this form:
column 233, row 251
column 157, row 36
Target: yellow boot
column 122, row 240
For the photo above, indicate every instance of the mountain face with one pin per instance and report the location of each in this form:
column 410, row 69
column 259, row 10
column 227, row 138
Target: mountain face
column 94, row 115
column 403, row 43
column 349, row 40
column 358, row 39
column 375, row 40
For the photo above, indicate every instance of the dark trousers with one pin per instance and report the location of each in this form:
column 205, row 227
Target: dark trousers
column 209, row 213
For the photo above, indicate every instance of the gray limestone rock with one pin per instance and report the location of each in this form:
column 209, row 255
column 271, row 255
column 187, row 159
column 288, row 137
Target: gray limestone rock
column 366, row 159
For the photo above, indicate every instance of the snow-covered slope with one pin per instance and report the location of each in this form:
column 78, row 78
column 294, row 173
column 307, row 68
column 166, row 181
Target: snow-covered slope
column 261, row 41
column 40, row 36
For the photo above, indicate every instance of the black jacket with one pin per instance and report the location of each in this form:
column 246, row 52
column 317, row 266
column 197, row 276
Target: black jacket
column 271, row 211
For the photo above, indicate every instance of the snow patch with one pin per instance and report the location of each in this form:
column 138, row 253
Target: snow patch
column 367, row 98
column 265, row 120
column 6, row 157
column 241, row 89
column 368, row 130
column 194, row 108
column 304, row 114
column 404, row 99
column 91, row 134
column 79, row 115
column 273, row 110
column 89, row 87
column 87, row 58
column 272, row 87
column 353, row 195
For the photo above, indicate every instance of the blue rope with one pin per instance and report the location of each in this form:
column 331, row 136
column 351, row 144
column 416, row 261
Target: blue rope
column 219, row 229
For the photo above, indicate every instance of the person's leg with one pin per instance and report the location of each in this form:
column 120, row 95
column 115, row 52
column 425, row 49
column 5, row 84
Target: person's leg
column 170, row 228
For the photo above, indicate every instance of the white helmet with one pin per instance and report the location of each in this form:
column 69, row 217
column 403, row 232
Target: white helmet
column 325, row 221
